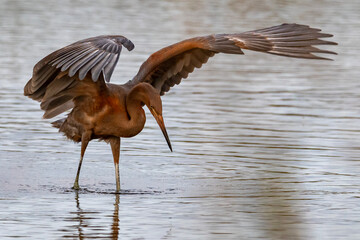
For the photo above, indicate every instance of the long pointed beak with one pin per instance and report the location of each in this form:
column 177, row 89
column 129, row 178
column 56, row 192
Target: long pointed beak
column 160, row 121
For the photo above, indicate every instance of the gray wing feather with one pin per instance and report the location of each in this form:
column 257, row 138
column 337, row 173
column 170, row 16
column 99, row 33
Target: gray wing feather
column 55, row 76
column 109, row 68
column 78, row 57
column 290, row 40
column 90, row 64
column 81, row 62
column 71, row 62
column 95, row 71
column 61, row 57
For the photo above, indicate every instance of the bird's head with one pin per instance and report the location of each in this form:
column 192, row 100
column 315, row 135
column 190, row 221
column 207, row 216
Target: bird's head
column 151, row 98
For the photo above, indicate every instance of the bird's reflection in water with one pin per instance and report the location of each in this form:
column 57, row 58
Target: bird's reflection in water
column 116, row 223
column 85, row 229
column 80, row 216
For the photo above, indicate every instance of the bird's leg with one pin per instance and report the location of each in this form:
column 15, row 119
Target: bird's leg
column 115, row 147
column 85, row 139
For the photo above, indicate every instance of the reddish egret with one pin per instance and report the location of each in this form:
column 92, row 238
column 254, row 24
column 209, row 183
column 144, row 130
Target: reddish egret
column 76, row 77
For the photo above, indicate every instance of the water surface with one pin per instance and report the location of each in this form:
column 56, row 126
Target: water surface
column 264, row 147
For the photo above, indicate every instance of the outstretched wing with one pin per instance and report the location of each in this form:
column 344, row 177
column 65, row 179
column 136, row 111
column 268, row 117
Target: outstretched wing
column 168, row 66
column 57, row 76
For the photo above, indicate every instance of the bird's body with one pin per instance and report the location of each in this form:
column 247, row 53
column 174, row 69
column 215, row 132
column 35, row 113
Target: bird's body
column 76, row 77
column 106, row 115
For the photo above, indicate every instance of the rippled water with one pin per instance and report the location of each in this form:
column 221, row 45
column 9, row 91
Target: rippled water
column 264, row 147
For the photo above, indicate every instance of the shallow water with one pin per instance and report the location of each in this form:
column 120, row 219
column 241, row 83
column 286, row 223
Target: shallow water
column 264, row 147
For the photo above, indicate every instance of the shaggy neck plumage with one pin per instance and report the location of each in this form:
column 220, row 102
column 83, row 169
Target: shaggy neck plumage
column 134, row 107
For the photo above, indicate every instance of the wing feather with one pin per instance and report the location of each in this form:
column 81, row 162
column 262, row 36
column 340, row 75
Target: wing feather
column 96, row 70
column 56, row 79
column 168, row 66
column 81, row 62
column 109, row 68
column 75, row 59
column 90, row 64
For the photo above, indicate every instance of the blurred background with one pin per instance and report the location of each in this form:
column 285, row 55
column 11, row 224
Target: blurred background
column 265, row 147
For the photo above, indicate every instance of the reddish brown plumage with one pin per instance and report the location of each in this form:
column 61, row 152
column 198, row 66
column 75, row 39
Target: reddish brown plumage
column 75, row 77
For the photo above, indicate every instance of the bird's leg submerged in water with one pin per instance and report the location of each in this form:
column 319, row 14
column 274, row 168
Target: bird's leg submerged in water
column 85, row 139
column 115, row 148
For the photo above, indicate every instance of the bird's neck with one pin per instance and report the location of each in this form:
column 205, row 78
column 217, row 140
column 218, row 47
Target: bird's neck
column 136, row 113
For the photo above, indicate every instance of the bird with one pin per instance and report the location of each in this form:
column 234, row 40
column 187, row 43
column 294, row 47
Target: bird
column 76, row 79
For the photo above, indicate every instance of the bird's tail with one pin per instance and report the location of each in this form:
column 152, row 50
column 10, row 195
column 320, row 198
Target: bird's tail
column 58, row 123
column 71, row 129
